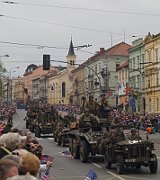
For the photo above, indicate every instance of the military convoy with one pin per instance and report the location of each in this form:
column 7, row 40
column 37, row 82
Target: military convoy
column 84, row 142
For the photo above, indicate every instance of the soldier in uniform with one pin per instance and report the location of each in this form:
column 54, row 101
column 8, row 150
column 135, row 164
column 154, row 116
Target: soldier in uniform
column 83, row 104
column 133, row 135
column 111, row 137
column 87, row 119
column 103, row 107
column 92, row 105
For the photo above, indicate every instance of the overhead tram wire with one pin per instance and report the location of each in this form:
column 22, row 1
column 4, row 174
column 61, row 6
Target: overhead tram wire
column 82, row 8
column 65, row 25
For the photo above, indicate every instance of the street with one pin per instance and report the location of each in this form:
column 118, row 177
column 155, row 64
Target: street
column 71, row 169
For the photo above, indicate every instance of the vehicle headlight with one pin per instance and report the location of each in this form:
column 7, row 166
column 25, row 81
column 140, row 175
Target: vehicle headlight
column 126, row 149
column 147, row 148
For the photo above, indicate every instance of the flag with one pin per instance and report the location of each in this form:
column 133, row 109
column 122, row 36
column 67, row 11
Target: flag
column 46, row 175
column 91, row 175
column 66, row 154
column 46, row 158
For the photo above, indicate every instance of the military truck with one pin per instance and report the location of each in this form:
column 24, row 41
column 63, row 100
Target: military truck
column 133, row 154
column 84, row 142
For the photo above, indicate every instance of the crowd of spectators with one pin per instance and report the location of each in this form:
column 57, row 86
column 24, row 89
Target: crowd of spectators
column 21, row 156
column 142, row 122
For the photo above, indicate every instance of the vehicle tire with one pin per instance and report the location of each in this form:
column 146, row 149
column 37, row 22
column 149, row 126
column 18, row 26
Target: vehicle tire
column 27, row 124
column 75, row 149
column 120, row 164
column 63, row 141
column 138, row 166
column 59, row 140
column 38, row 132
column 31, row 128
column 107, row 162
column 70, row 145
column 84, row 151
column 153, row 165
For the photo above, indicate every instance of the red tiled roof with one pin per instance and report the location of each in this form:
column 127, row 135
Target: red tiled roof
column 120, row 49
column 125, row 64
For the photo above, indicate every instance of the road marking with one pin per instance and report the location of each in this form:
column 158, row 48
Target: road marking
column 50, row 138
column 133, row 177
column 115, row 175
column 97, row 165
column 17, row 124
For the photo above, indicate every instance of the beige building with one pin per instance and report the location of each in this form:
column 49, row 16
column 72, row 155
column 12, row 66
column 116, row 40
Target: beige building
column 152, row 73
column 31, row 73
column 60, row 84
column 78, row 84
column 18, row 91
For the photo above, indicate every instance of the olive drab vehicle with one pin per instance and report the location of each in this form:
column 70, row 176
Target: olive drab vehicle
column 83, row 142
column 45, row 121
column 31, row 117
column 131, row 153
column 61, row 132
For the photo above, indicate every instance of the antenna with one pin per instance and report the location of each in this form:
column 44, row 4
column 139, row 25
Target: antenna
column 111, row 40
column 124, row 35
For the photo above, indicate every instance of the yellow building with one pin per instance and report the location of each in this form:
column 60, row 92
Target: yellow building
column 152, row 73
column 60, row 84
column 78, row 84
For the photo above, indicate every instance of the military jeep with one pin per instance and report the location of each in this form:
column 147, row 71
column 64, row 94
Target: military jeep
column 43, row 128
column 62, row 137
column 131, row 154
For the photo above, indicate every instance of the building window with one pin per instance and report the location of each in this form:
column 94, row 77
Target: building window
column 117, row 66
column 134, row 63
column 149, row 57
column 156, row 55
column 130, row 63
column 100, row 67
column 122, row 74
column 63, row 89
column 96, row 68
column 157, row 80
column 157, row 102
column 150, row 105
column 138, row 61
column 143, row 58
column 149, row 83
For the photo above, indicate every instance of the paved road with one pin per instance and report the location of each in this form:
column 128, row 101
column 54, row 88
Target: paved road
column 71, row 169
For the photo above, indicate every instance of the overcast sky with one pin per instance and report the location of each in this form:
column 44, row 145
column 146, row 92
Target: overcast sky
column 52, row 23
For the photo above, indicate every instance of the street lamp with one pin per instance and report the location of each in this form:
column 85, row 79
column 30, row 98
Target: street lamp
column 10, row 85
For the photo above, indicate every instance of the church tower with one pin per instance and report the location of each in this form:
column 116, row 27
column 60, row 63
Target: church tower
column 71, row 57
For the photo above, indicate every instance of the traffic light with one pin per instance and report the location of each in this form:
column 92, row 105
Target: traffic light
column 46, row 62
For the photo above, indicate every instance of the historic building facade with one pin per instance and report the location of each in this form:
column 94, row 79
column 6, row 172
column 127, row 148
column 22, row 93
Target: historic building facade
column 101, row 71
column 122, row 86
column 60, row 84
column 136, row 76
column 152, row 73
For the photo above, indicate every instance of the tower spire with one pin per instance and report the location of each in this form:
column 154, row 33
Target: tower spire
column 71, row 49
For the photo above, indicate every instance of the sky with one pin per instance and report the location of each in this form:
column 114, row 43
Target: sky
column 31, row 28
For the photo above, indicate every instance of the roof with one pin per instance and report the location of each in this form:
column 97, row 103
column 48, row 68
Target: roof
column 123, row 65
column 120, row 49
column 71, row 49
